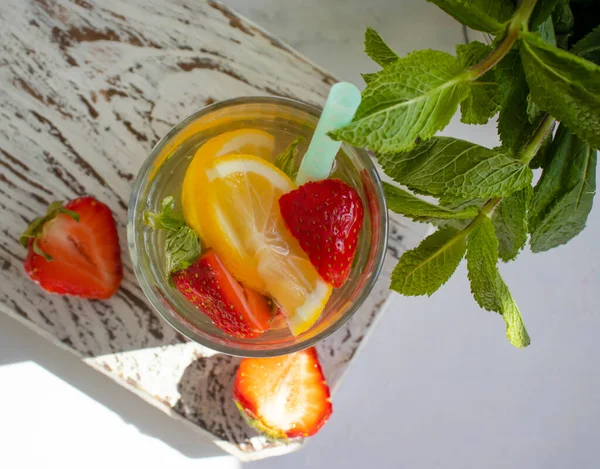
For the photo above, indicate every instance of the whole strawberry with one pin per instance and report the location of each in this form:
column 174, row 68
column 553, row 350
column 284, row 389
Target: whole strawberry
column 74, row 250
column 325, row 217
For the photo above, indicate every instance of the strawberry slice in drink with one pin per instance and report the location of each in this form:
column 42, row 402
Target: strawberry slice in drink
column 325, row 217
column 237, row 310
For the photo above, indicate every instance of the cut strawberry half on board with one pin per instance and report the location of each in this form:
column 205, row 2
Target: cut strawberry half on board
column 74, row 250
column 325, row 217
column 283, row 397
column 236, row 310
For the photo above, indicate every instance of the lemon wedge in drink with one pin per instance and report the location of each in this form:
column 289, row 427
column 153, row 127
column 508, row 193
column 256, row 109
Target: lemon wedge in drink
column 252, row 141
column 240, row 219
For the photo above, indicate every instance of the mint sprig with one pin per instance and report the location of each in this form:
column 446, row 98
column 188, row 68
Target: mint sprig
column 287, row 161
column 535, row 77
column 182, row 246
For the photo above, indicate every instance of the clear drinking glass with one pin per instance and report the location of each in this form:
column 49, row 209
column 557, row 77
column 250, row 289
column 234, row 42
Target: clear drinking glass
column 162, row 175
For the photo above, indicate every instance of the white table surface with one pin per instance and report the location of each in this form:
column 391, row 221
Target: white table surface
column 436, row 386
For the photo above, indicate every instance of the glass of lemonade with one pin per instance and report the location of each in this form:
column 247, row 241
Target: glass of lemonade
column 267, row 126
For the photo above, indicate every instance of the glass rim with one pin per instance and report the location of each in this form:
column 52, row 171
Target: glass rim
column 149, row 291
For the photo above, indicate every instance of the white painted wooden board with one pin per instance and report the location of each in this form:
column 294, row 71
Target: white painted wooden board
column 87, row 88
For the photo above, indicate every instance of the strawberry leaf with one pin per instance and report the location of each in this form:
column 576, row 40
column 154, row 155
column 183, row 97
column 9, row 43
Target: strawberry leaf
column 39, row 252
column 448, row 166
column 251, row 420
column 424, row 269
column 378, row 50
column 35, row 227
column 564, row 195
column 487, row 286
column 565, row 85
column 411, row 98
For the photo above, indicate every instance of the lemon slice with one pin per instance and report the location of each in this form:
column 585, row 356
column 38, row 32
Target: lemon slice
column 252, row 141
column 241, row 221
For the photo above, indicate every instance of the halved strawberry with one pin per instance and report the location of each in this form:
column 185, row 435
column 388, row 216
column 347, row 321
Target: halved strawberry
column 233, row 308
column 283, row 397
column 325, row 217
column 74, row 250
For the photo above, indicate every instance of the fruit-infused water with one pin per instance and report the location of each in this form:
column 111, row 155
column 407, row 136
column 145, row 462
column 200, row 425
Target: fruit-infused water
column 265, row 130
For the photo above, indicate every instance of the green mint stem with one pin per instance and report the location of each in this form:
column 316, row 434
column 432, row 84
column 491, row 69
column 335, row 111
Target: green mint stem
column 517, row 23
column 485, row 211
column 535, row 142
column 527, row 153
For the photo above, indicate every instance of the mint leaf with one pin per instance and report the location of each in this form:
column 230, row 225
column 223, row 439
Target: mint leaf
column 448, row 166
column 487, row 286
column 566, row 86
column 407, row 204
column 182, row 245
column 423, row 270
column 546, row 31
column 287, row 160
column 542, row 11
column 540, row 160
column 483, row 15
column 411, row 98
column 182, row 248
column 533, row 111
column 514, row 125
column 165, row 219
column 589, row 46
column 564, row 194
column 510, row 223
column 367, row 77
column 562, row 17
column 377, row 49
column 482, row 101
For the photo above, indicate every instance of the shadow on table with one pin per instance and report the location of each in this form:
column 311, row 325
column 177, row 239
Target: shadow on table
column 19, row 344
column 206, row 390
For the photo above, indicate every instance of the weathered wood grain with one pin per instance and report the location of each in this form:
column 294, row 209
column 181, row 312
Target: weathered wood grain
column 88, row 87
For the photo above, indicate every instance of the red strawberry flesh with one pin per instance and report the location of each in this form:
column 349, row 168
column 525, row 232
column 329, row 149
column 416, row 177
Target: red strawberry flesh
column 325, row 217
column 236, row 310
column 86, row 257
column 285, row 396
